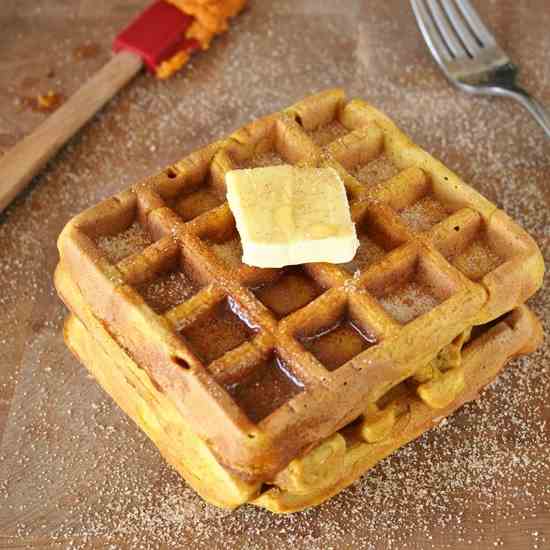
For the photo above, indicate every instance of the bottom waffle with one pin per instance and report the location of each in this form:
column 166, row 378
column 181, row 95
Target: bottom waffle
column 322, row 471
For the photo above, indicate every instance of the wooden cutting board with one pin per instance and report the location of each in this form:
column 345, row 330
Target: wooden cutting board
column 74, row 472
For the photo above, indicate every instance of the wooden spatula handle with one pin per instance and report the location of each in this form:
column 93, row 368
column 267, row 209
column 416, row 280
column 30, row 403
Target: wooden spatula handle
column 21, row 163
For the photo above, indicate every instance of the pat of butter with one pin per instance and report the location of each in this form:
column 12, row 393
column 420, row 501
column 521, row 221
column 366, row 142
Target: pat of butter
column 287, row 215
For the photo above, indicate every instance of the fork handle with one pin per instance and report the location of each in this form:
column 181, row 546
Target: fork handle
column 540, row 113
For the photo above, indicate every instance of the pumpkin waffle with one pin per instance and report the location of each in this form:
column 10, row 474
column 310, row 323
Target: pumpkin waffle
column 256, row 367
column 323, row 470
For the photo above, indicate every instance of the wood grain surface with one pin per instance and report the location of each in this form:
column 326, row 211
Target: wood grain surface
column 26, row 159
column 74, row 472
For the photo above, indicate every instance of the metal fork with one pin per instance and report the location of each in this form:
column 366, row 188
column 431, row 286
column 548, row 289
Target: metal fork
column 468, row 53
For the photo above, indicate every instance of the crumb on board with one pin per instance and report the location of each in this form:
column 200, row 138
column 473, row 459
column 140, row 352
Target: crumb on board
column 45, row 103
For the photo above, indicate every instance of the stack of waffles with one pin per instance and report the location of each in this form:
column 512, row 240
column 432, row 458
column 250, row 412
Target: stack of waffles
column 280, row 387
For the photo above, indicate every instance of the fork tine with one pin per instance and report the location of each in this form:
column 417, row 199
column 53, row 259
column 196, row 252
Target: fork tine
column 476, row 24
column 457, row 21
column 431, row 35
column 447, row 32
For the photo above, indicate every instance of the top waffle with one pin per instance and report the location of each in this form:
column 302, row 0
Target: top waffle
column 265, row 362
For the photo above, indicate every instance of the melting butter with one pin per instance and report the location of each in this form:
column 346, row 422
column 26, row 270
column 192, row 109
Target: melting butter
column 289, row 215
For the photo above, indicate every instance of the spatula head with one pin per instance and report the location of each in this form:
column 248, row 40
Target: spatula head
column 156, row 34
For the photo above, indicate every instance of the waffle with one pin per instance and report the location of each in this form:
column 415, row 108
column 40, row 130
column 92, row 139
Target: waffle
column 322, row 471
column 264, row 373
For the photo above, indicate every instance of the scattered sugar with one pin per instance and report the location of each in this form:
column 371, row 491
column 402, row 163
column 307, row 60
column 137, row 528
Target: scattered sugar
column 423, row 214
column 408, row 302
column 92, row 478
column 124, row 244
column 376, row 171
column 269, row 158
column 477, row 259
column 323, row 135
column 168, row 291
column 368, row 253
column 231, row 252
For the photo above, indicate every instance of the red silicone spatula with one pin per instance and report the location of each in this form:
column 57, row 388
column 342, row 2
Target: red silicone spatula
column 154, row 36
